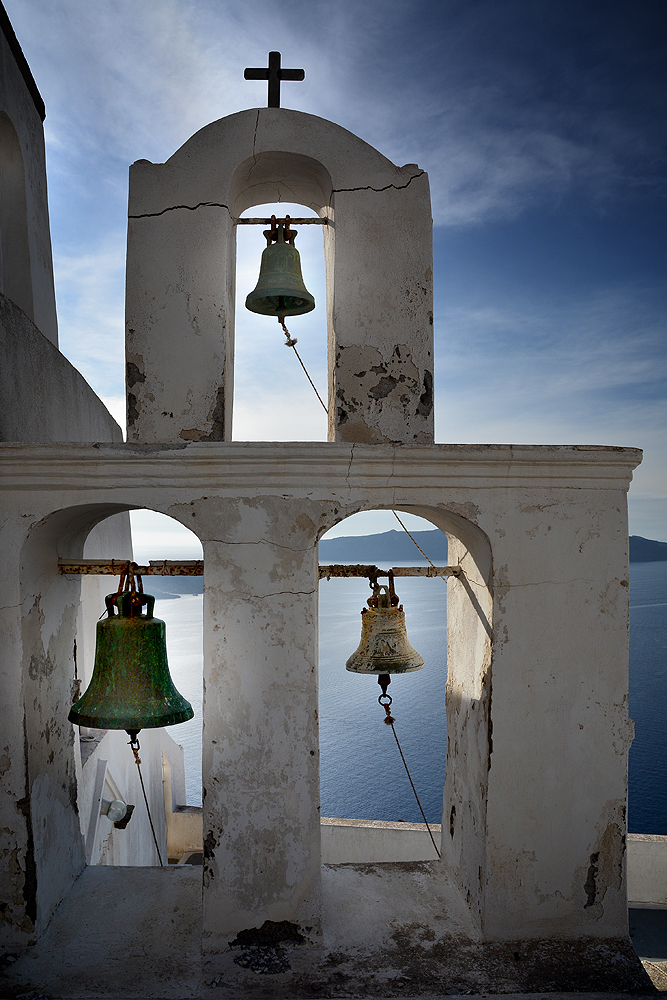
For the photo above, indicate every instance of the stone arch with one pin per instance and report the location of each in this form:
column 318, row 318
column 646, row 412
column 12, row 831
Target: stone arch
column 181, row 271
column 273, row 179
column 54, row 621
column 15, row 251
column 468, row 693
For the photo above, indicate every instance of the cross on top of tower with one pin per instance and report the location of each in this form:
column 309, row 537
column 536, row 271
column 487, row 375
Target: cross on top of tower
column 274, row 74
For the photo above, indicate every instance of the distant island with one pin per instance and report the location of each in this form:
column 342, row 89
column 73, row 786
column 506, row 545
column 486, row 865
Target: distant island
column 647, row 550
column 384, row 548
column 389, row 545
column 397, row 545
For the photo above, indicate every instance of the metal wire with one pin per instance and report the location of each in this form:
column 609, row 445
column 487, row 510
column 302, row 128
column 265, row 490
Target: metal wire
column 135, row 751
column 412, row 784
column 389, row 719
column 292, row 342
column 413, row 539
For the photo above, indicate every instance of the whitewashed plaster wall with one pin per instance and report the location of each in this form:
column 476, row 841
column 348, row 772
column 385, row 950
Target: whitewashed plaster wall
column 111, row 755
column 538, row 729
column 26, row 270
column 42, row 396
column 181, row 273
column 42, row 399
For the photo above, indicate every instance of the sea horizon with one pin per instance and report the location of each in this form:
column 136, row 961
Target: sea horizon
column 362, row 776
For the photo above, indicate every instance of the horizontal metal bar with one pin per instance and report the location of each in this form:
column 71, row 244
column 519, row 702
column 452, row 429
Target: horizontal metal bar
column 292, row 222
column 114, row 567
column 195, row 567
column 326, row 572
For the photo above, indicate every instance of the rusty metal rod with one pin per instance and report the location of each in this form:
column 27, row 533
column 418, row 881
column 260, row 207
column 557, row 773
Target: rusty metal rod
column 326, row 572
column 292, row 222
column 114, row 567
column 195, row 567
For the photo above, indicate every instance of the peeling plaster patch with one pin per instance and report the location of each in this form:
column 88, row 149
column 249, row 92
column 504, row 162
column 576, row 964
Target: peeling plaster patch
column 426, row 399
column 383, row 387
column 210, row 843
column 471, row 511
column 40, row 667
column 132, row 408
column 605, row 868
column 133, row 374
column 589, row 884
column 501, row 587
column 370, row 384
column 5, row 761
column 271, row 932
column 217, row 418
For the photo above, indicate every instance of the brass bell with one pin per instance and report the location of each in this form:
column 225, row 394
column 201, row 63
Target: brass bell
column 384, row 646
column 131, row 687
column 280, row 290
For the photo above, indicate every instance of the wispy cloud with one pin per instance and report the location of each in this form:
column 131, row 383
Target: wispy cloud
column 89, row 293
column 599, row 356
column 127, row 80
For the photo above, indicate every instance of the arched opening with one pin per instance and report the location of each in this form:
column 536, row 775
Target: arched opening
column 15, row 262
column 440, row 711
column 362, row 774
column 179, row 603
column 273, row 399
column 75, row 772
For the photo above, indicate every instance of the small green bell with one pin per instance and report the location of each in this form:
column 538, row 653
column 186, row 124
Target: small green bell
column 280, row 290
column 131, row 687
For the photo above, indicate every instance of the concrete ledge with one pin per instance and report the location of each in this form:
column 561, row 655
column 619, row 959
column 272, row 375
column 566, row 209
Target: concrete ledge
column 647, row 868
column 363, row 841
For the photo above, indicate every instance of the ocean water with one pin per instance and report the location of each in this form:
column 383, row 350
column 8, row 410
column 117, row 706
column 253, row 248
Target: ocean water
column 361, row 772
column 647, row 782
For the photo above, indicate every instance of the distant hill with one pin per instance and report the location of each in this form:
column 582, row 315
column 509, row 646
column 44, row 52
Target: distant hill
column 387, row 547
column 646, row 550
column 165, row 587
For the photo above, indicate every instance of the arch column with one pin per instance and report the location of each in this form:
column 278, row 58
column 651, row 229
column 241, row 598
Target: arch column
column 261, row 736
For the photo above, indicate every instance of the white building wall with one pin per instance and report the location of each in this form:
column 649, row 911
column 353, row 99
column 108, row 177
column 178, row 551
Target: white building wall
column 21, row 116
column 548, row 859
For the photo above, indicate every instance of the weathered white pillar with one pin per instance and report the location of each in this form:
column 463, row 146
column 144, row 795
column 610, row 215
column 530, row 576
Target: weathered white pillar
column 261, row 744
column 557, row 782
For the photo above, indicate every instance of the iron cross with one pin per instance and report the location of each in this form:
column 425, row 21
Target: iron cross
column 274, row 74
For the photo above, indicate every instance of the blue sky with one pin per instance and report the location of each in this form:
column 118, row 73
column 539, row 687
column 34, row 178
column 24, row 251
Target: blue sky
column 542, row 128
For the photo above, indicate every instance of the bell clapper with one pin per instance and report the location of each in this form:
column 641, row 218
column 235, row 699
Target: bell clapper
column 384, row 680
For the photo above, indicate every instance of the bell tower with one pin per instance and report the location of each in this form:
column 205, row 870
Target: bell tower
column 530, row 885
column 181, row 271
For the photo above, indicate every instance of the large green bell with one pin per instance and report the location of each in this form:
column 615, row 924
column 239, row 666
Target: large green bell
column 131, row 687
column 280, row 290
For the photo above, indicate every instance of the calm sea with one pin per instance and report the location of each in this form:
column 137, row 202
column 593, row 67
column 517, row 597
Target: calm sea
column 362, row 775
